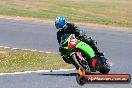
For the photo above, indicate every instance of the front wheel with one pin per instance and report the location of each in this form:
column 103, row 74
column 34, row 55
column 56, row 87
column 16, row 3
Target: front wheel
column 81, row 80
column 105, row 69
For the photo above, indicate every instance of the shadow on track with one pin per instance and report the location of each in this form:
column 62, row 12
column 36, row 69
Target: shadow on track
column 59, row 74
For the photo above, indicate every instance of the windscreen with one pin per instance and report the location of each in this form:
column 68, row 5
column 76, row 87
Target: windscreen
column 64, row 37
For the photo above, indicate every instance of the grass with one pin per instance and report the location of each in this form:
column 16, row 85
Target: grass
column 18, row 60
column 112, row 12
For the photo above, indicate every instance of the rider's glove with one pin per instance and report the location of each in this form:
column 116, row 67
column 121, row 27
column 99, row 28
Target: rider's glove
column 62, row 51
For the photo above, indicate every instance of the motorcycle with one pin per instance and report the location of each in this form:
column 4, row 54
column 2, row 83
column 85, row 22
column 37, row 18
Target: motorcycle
column 81, row 55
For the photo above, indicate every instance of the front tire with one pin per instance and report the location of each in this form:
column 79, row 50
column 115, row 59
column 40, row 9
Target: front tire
column 81, row 80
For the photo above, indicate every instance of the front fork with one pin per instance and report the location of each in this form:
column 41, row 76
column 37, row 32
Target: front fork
column 81, row 62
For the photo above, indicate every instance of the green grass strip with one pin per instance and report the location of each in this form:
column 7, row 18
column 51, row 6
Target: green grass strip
column 52, row 15
column 18, row 60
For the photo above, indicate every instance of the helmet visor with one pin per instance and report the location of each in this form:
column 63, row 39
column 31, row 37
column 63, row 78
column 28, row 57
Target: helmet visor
column 58, row 26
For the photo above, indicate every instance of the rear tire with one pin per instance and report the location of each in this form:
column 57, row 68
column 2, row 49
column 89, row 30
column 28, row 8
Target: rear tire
column 105, row 69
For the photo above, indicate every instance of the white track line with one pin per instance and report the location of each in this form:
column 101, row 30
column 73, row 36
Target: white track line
column 38, row 71
column 41, row 71
column 16, row 48
column 32, row 50
column 41, row 51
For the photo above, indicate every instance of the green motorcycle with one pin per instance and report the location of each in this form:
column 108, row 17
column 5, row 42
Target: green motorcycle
column 81, row 55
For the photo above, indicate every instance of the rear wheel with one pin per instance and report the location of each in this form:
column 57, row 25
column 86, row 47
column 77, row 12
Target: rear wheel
column 105, row 68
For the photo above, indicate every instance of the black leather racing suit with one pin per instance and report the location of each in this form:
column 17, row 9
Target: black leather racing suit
column 73, row 29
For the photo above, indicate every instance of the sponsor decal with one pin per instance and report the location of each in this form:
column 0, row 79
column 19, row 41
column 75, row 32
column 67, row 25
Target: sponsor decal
column 108, row 78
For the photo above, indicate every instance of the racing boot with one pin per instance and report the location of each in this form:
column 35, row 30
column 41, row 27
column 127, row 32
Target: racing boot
column 101, row 57
column 103, row 60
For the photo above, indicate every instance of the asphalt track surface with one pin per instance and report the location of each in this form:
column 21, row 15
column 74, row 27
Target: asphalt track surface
column 117, row 45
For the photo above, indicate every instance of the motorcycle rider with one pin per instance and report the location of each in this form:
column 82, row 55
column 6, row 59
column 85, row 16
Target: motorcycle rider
column 69, row 28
